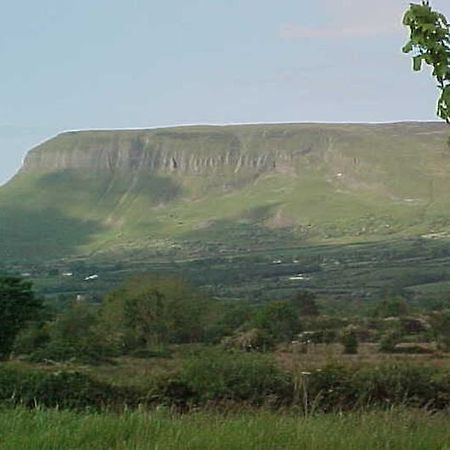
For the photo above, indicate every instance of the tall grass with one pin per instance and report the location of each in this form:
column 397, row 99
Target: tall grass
column 54, row 430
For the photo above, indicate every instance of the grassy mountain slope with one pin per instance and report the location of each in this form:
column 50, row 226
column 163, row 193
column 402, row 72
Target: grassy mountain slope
column 225, row 188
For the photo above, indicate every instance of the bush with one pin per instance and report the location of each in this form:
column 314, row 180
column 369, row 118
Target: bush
column 73, row 335
column 337, row 388
column 216, row 375
column 280, row 319
column 400, row 385
column 328, row 389
column 392, row 307
column 389, row 341
column 254, row 340
column 349, row 340
column 30, row 339
column 85, row 352
column 149, row 311
column 72, row 390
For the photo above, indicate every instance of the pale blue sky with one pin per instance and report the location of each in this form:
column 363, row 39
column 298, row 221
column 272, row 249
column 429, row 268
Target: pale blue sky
column 144, row 63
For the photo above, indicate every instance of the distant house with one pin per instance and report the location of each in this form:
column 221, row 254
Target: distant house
column 91, row 277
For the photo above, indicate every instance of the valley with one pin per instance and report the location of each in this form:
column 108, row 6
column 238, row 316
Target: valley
column 254, row 211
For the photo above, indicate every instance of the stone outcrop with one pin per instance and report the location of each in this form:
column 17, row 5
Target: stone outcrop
column 189, row 150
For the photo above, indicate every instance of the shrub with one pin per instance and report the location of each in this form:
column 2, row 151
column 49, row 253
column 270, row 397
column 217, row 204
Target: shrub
column 216, row 375
column 254, row 340
column 329, row 389
column 441, row 330
column 72, row 390
column 392, row 307
column 30, row 339
column 149, row 311
column 280, row 319
column 389, row 341
column 349, row 340
column 72, row 335
column 399, row 385
column 335, row 388
column 306, row 304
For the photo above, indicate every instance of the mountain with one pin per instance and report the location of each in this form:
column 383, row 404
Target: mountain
column 208, row 189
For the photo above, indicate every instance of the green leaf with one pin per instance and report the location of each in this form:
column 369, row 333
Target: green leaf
column 417, row 63
column 408, row 47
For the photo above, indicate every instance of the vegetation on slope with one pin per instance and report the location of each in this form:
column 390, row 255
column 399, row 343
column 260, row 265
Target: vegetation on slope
column 99, row 191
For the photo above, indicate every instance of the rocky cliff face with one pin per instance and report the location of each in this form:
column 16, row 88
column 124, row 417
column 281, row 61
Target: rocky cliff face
column 232, row 149
column 190, row 150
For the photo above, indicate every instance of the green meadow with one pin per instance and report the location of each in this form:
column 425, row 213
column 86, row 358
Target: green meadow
column 54, row 430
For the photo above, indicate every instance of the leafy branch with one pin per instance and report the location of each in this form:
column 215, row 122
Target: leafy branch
column 429, row 42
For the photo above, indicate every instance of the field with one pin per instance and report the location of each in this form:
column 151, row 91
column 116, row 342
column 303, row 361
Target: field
column 138, row 372
column 55, row 430
column 347, row 277
column 356, row 215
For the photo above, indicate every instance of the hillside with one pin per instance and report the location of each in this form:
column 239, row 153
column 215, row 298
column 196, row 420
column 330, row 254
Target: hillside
column 205, row 189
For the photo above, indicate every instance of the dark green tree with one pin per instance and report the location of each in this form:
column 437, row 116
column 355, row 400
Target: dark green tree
column 74, row 334
column 306, row 304
column 18, row 305
column 441, row 329
column 279, row 319
column 149, row 312
column 429, row 43
column 391, row 307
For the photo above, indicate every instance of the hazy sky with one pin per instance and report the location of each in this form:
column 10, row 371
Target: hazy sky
column 143, row 63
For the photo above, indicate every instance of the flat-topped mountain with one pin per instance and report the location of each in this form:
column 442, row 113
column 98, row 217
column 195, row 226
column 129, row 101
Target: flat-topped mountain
column 219, row 188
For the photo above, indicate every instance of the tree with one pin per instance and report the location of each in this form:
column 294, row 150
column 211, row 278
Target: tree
column 391, row 307
column 280, row 320
column 305, row 302
column 74, row 334
column 18, row 305
column 441, row 329
column 389, row 341
column 429, row 42
column 149, row 311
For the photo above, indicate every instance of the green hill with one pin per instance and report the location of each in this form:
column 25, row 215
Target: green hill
column 205, row 189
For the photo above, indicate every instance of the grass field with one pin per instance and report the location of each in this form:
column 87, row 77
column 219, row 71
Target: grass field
column 55, row 430
column 349, row 278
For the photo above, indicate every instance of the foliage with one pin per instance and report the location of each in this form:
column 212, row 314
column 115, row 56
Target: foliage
column 430, row 43
column 216, row 378
column 349, row 339
column 71, row 390
column 30, row 339
column 18, row 305
column 389, row 341
column 305, row 302
column 441, row 329
column 335, row 388
column 253, row 340
column 78, row 208
column 216, row 375
column 227, row 318
column 280, row 319
column 391, row 307
column 396, row 429
column 72, row 335
column 148, row 312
